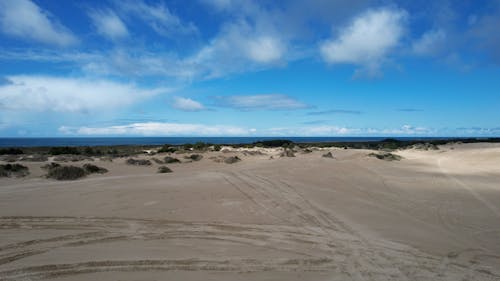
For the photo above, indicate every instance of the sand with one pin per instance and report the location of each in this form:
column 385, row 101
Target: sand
column 434, row 215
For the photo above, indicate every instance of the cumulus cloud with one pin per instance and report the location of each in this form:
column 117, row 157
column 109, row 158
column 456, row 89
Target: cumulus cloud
column 24, row 19
column 109, row 24
column 43, row 93
column 160, row 129
column 239, row 46
column 367, row 40
column 260, row 102
column 187, row 104
column 430, row 43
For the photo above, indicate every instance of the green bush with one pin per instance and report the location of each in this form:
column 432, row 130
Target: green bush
column 10, row 151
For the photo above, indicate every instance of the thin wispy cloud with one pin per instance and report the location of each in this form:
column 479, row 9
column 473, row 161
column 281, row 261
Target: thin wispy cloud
column 335, row 111
column 260, row 102
column 109, row 24
column 26, row 20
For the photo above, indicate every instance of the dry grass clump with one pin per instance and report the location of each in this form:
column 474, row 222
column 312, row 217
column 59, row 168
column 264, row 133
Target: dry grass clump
column 232, row 159
column 13, row 170
column 287, row 153
column 194, row 157
column 138, row 162
column 169, row 160
column 328, row 155
column 93, row 169
column 164, row 169
column 66, row 173
column 386, row 156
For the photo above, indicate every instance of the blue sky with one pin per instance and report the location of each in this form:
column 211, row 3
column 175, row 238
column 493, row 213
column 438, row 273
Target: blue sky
column 249, row 68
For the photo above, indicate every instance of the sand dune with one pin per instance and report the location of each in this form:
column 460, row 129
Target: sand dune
column 434, row 215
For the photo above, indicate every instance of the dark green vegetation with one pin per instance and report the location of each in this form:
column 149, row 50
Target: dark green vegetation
column 164, row 169
column 58, row 172
column 10, row 151
column 386, row 156
column 13, row 170
column 131, row 150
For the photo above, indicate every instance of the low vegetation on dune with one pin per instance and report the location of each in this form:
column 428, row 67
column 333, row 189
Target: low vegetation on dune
column 386, row 156
column 164, row 169
column 328, row 155
column 287, row 153
column 138, row 162
column 194, row 157
column 72, row 158
column 66, row 173
column 232, row 160
column 58, row 172
column 13, row 170
column 93, row 169
column 50, row 165
column 34, row 158
column 10, row 151
column 169, row 160
column 157, row 161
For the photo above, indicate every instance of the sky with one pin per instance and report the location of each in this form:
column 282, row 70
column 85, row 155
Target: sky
column 249, row 68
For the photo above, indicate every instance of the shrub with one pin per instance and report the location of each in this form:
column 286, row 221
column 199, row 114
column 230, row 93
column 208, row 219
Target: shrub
column 200, row 145
column 195, row 157
column 138, row 162
column 34, row 158
column 63, row 150
column 273, row 143
column 66, row 173
column 328, row 155
column 17, row 170
column 167, row 148
column 92, row 169
column 232, row 159
column 51, row 165
column 169, row 159
column 164, row 169
column 217, row 147
column 10, row 151
column 386, row 156
column 157, row 161
column 287, row 153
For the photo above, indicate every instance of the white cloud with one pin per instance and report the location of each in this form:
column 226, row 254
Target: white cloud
column 24, row 19
column 43, row 93
column 430, row 42
column 158, row 17
column 109, row 24
column 260, row 102
column 160, row 129
column 187, row 104
column 367, row 40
